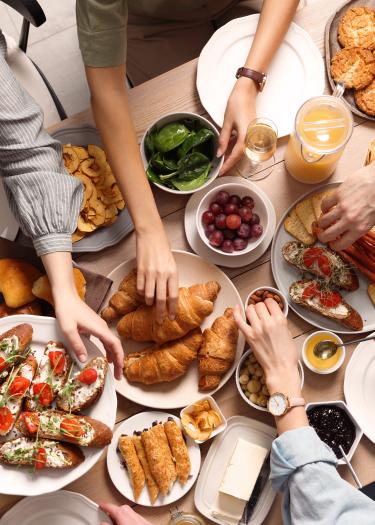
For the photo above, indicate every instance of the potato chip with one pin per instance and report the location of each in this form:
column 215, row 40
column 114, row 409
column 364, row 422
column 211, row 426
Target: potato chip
column 70, row 157
column 81, row 152
column 89, row 187
column 85, row 226
column 120, row 204
column 77, row 236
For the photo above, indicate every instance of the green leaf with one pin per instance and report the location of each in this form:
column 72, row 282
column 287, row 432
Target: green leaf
column 194, row 140
column 152, row 176
column 167, row 176
column 192, row 166
column 149, row 143
column 170, row 137
column 192, row 184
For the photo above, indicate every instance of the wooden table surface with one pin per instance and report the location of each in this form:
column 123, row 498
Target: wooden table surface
column 176, row 91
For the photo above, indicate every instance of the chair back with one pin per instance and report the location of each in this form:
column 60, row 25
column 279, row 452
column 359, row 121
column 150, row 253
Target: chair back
column 29, row 9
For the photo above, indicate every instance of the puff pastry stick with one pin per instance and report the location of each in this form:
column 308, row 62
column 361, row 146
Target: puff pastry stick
column 159, row 457
column 152, row 487
column 179, row 450
column 133, row 465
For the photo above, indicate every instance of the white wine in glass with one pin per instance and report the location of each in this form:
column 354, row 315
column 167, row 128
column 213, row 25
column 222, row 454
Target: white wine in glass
column 260, row 147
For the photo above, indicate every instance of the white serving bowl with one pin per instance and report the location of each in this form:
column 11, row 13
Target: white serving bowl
column 358, row 429
column 311, row 366
column 241, row 392
column 272, row 290
column 188, row 409
column 176, row 117
column 241, row 189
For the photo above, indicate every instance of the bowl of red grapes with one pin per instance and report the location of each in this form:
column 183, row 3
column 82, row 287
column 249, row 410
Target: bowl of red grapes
column 232, row 219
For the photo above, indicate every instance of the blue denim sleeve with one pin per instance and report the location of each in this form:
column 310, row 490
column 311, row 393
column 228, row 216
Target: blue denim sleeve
column 303, row 468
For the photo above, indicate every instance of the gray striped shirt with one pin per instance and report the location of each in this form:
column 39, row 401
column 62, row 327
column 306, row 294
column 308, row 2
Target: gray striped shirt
column 43, row 197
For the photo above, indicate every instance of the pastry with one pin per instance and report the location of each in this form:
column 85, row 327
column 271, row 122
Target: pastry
column 152, row 486
column 179, row 450
column 218, row 350
column 357, row 28
column 354, row 66
column 365, row 99
column 164, row 362
column 33, row 308
column 16, row 281
column 42, row 288
column 133, row 465
column 125, row 300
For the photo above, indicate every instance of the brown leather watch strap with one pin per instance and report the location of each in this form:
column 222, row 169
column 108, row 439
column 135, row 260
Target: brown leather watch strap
column 257, row 76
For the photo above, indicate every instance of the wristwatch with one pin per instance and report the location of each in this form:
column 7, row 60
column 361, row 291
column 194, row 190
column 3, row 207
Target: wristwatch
column 258, row 77
column 279, row 404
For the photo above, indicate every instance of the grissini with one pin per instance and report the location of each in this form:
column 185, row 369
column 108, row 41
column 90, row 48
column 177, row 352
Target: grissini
column 13, row 347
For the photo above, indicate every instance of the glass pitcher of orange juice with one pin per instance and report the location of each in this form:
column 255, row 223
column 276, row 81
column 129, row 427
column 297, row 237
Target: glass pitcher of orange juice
column 323, row 126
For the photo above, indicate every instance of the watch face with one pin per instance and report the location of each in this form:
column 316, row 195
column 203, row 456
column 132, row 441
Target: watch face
column 277, row 404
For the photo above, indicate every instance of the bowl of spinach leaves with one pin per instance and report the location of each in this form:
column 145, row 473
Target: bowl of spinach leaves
column 179, row 153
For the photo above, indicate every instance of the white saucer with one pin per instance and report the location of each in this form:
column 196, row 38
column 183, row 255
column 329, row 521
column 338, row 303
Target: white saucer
column 198, row 246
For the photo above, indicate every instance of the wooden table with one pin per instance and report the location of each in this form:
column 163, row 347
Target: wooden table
column 176, row 91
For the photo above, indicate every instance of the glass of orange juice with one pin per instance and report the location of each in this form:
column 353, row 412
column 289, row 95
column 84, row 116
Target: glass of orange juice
column 323, row 126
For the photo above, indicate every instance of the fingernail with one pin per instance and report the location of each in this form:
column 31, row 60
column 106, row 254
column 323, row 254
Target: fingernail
column 82, row 358
column 219, row 153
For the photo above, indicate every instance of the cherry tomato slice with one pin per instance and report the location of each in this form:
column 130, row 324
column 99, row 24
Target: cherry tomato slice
column 71, row 428
column 18, row 386
column 6, row 419
column 57, row 361
column 31, row 420
column 40, row 458
column 3, row 364
column 88, row 376
column 310, row 255
column 44, row 393
column 312, row 290
column 330, row 299
column 324, row 265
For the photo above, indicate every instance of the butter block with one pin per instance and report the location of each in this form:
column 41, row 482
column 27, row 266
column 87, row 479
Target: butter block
column 243, row 469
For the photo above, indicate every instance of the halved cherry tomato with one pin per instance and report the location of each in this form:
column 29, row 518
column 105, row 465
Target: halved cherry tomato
column 31, row 420
column 330, row 299
column 18, row 386
column 57, row 361
column 3, row 364
column 310, row 255
column 88, row 376
column 324, row 265
column 44, row 393
column 313, row 290
column 71, row 428
column 6, row 419
column 40, row 458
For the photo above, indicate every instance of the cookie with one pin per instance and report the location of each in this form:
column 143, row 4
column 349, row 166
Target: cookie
column 365, row 99
column 354, row 66
column 357, row 28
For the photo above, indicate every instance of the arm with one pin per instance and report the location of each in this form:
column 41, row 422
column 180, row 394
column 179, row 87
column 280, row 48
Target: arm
column 273, row 24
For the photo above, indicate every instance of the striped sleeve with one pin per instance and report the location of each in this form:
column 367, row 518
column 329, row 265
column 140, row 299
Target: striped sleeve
column 43, row 197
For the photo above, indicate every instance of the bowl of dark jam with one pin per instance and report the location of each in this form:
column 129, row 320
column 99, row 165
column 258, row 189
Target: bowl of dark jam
column 335, row 425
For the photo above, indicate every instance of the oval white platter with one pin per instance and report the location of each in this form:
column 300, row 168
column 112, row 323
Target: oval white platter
column 119, row 474
column 22, row 482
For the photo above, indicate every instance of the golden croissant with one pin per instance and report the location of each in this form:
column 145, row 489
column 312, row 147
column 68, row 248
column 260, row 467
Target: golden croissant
column 194, row 304
column 125, row 300
column 218, row 350
column 164, row 362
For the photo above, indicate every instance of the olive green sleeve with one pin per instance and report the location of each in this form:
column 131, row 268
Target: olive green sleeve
column 102, row 31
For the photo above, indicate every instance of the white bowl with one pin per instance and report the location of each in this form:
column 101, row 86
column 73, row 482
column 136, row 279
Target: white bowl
column 312, row 367
column 176, row 117
column 242, row 394
column 272, row 290
column 240, row 189
column 214, row 406
column 358, row 429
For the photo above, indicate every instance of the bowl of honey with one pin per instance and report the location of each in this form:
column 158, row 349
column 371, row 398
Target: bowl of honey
column 317, row 364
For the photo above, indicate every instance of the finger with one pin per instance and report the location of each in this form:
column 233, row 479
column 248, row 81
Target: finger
column 329, row 218
column 113, row 348
column 252, row 315
column 76, row 343
column 345, row 241
column 330, row 201
column 241, row 323
column 224, row 138
column 262, row 311
column 333, row 232
column 161, row 298
column 141, row 279
column 173, row 295
column 273, row 308
column 150, row 288
column 110, row 509
column 234, row 156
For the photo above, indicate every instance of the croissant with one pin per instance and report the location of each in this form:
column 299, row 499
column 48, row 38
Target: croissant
column 164, row 362
column 218, row 350
column 125, row 300
column 194, row 304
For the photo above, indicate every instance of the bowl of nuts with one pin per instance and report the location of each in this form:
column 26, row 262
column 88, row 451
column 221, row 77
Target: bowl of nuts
column 251, row 381
column 262, row 293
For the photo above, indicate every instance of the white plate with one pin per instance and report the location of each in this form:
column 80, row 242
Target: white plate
column 119, row 474
column 359, row 387
column 296, row 74
column 20, row 481
column 102, row 237
column 8, row 224
column 60, row 508
column 284, row 274
column 204, row 251
column 183, row 391
column 213, row 468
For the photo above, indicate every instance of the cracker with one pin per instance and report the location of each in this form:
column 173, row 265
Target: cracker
column 306, row 215
column 317, row 200
column 294, row 226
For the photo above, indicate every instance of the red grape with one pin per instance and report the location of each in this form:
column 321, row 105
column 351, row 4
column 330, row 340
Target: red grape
column 233, row 222
column 222, row 198
column 235, row 199
column 229, row 234
column 215, row 208
column 256, row 230
column 216, row 238
column 230, row 208
column 244, row 231
column 239, row 244
column 227, row 246
column 208, row 217
column 245, row 213
column 220, row 221
column 248, row 202
column 255, row 219
column 209, row 229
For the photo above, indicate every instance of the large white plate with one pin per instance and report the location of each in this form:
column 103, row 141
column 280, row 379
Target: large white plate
column 20, row 481
column 359, row 387
column 284, row 274
column 183, row 391
column 212, row 472
column 203, row 250
column 296, row 73
column 8, row 224
column 118, row 472
column 61, row 508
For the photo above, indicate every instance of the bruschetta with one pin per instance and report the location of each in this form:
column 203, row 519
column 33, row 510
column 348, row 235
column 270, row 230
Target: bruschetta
column 311, row 294
column 13, row 347
column 60, row 426
column 322, row 263
column 84, row 387
column 40, row 454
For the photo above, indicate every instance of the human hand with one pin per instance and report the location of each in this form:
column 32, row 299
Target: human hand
column 123, row 515
column 349, row 212
column 240, row 111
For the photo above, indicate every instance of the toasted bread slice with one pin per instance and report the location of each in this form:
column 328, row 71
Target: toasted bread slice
column 13, row 347
column 60, row 426
column 342, row 313
column 294, row 226
column 22, row 452
column 77, row 395
column 336, row 273
column 317, row 200
column 306, row 215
